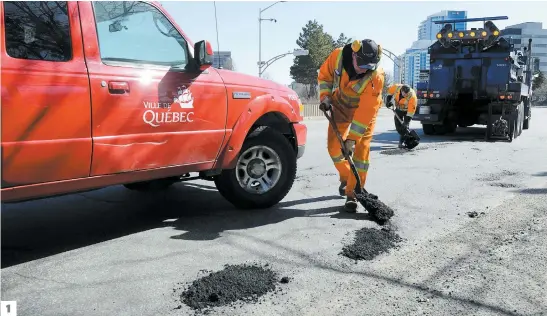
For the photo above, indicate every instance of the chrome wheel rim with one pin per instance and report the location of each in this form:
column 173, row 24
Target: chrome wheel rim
column 258, row 169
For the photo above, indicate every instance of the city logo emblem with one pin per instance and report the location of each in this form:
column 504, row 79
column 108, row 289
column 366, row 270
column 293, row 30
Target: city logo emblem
column 184, row 98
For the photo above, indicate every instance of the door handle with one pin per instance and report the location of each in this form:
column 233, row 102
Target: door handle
column 118, row 87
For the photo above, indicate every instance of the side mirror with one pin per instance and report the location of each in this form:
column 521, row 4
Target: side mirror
column 203, row 54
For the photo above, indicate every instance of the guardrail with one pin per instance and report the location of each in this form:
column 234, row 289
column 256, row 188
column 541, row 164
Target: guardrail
column 312, row 110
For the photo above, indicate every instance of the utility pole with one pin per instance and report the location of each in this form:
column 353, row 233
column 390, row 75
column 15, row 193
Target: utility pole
column 260, row 19
column 259, row 42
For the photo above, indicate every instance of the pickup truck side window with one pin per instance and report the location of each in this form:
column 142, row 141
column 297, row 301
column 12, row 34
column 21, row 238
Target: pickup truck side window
column 37, row 30
column 135, row 32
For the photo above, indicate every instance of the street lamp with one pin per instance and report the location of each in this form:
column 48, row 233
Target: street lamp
column 260, row 19
column 266, row 64
column 398, row 61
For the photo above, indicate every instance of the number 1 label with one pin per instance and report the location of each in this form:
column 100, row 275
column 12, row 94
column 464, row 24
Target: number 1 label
column 8, row 308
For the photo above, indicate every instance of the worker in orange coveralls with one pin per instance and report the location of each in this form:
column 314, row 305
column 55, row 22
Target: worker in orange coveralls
column 351, row 83
column 405, row 100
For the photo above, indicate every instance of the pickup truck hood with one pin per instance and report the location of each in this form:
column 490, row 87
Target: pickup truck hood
column 239, row 79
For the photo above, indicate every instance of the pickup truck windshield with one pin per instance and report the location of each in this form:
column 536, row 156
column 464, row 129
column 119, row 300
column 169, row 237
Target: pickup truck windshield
column 136, row 32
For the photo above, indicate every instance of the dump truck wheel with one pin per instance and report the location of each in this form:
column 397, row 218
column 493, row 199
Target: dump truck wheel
column 429, row 129
column 264, row 173
column 526, row 123
column 521, row 118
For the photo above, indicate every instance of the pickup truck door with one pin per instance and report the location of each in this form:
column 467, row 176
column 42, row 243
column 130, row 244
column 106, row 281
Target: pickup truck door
column 148, row 110
column 46, row 120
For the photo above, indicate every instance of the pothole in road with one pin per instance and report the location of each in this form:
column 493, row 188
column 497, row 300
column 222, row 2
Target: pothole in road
column 397, row 151
column 245, row 283
column 497, row 176
column 370, row 242
column 504, row 185
column 402, row 151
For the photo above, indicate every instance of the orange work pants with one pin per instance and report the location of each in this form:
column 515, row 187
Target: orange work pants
column 361, row 155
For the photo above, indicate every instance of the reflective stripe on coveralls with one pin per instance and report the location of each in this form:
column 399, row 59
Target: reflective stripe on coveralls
column 338, row 159
column 361, row 165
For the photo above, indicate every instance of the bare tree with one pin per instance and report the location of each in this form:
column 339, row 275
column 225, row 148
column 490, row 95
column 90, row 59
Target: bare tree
column 388, row 81
column 539, row 96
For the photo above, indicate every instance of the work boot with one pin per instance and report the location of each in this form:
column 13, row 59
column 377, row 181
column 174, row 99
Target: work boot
column 401, row 143
column 342, row 188
column 351, row 205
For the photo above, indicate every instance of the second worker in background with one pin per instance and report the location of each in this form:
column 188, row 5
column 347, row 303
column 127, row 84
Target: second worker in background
column 405, row 100
column 351, row 83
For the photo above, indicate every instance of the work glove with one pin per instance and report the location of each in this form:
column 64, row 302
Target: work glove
column 326, row 104
column 349, row 145
column 406, row 121
column 389, row 101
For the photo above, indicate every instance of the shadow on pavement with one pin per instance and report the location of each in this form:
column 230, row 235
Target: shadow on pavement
column 534, row 191
column 468, row 134
column 37, row 229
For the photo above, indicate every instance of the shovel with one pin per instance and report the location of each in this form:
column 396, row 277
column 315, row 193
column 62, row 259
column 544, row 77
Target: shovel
column 370, row 202
column 410, row 138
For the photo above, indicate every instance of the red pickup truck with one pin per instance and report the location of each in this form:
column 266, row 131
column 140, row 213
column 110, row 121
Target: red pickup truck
column 101, row 93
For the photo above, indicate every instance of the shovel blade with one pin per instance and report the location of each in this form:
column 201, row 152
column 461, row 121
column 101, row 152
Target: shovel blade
column 414, row 135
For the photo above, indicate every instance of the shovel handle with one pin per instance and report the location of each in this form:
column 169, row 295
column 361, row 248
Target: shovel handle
column 358, row 189
column 397, row 116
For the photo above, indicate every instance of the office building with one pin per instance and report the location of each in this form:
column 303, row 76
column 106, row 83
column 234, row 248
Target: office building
column 416, row 58
column 221, row 58
column 427, row 30
column 520, row 33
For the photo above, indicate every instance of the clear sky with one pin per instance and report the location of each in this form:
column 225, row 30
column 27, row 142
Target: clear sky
column 391, row 24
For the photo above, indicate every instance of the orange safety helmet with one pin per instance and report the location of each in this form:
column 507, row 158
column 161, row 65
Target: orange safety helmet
column 367, row 53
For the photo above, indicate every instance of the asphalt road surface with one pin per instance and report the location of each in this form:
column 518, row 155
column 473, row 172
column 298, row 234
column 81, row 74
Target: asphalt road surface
column 117, row 252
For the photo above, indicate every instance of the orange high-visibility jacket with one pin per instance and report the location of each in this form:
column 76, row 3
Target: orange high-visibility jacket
column 407, row 104
column 358, row 100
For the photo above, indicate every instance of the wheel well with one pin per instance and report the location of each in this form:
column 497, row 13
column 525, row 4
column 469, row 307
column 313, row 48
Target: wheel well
column 278, row 122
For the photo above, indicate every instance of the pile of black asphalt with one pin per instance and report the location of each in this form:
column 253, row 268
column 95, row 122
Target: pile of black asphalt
column 380, row 212
column 244, row 283
column 370, row 242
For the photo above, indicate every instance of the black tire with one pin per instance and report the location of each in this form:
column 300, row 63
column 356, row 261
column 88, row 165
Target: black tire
column 448, row 127
column 429, row 129
column 526, row 123
column 440, row 129
column 512, row 129
column 528, row 114
column 227, row 182
column 521, row 118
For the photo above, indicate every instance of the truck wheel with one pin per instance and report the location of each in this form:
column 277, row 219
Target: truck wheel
column 526, row 123
column 429, row 129
column 527, row 115
column 512, row 129
column 521, row 118
column 264, row 173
